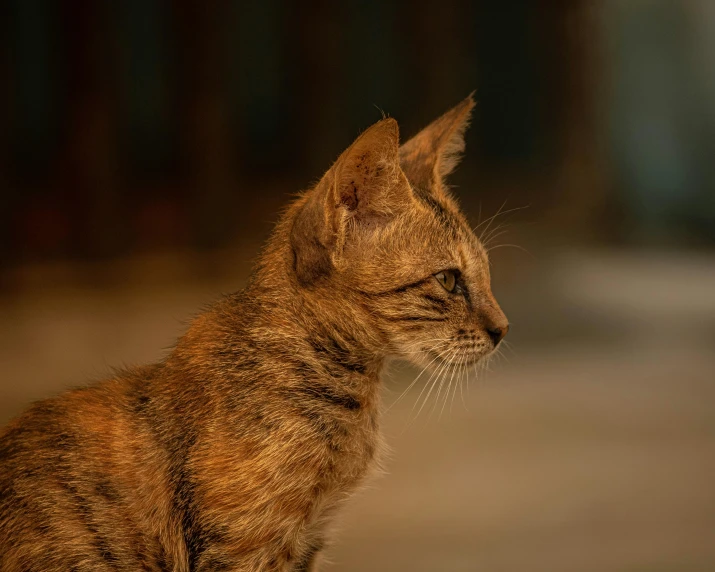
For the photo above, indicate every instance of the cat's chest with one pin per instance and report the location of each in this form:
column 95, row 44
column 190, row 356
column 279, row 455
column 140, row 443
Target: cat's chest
column 352, row 447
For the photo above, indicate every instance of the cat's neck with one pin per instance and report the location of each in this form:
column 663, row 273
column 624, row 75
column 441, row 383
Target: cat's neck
column 313, row 324
column 287, row 325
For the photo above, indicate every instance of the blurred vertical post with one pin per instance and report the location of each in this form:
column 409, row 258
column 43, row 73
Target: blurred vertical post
column 5, row 194
column 581, row 188
column 205, row 121
column 661, row 58
column 35, row 98
column 258, row 90
column 89, row 169
column 317, row 70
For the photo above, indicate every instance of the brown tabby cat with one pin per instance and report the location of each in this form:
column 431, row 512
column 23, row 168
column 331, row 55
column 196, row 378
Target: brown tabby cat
column 235, row 452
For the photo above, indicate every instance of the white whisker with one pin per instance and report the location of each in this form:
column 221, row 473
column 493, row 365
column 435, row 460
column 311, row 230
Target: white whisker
column 439, row 372
column 490, row 248
column 427, row 383
column 458, row 381
column 449, row 386
column 415, row 380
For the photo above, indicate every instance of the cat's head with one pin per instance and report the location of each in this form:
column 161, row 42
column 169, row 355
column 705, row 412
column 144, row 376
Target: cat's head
column 381, row 230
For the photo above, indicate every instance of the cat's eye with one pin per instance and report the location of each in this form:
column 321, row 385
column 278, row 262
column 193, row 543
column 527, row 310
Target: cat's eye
column 448, row 279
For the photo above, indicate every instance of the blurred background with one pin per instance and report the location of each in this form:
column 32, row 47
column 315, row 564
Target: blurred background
column 147, row 147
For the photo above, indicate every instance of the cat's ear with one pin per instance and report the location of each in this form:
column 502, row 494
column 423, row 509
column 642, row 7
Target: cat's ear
column 435, row 151
column 363, row 189
column 366, row 185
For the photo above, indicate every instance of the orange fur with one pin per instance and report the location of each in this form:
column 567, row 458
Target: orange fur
column 235, row 452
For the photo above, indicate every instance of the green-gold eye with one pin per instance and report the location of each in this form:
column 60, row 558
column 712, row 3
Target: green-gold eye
column 448, row 279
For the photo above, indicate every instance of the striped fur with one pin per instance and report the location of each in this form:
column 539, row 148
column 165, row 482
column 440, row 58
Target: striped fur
column 237, row 450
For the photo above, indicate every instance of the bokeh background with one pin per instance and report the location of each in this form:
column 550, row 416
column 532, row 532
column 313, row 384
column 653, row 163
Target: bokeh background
column 147, row 147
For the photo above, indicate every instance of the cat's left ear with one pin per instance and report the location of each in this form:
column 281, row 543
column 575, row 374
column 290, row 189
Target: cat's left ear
column 360, row 193
column 435, row 151
column 368, row 185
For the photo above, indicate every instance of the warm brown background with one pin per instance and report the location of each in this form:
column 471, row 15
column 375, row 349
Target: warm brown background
column 146, row 148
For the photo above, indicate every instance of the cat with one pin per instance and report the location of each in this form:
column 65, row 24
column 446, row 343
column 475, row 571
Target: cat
column 237, row 450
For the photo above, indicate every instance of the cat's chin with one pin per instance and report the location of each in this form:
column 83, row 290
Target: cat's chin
column 432, row 361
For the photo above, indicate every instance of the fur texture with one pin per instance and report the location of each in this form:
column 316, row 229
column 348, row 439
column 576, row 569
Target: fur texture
column 236, row 451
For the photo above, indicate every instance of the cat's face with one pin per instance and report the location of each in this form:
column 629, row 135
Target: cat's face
column 426, row 284
column 382, row 227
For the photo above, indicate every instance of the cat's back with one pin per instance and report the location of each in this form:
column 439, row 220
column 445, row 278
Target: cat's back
column 78, row 474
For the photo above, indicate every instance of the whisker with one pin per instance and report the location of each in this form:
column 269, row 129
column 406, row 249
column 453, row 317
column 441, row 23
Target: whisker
column 465, row 375
column 443, row 378
column 496, row 233
column 487, row 234
column 490, row 248
column 413, row 382
column 488, row 221
column 440, row 371
column 439, row 391
column 451, row 377
column 458, row 381
column 427, row 383
column 422, row 344
column 502, row 354
column 508, row 346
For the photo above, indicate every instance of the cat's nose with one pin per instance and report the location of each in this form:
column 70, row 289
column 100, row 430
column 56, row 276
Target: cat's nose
column 497, row 333
column 493, row 321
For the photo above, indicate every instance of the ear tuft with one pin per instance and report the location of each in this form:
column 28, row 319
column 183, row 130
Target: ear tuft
column 436, row 150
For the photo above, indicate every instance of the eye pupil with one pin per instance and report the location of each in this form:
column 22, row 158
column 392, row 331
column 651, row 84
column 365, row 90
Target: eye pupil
column 447, row 279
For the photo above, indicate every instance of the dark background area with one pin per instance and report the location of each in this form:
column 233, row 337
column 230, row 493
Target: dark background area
column 147, row 147
column 142, row 126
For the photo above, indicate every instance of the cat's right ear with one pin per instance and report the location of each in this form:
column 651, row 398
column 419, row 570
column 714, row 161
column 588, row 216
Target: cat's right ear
column 435, row 151
column 364, row 189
